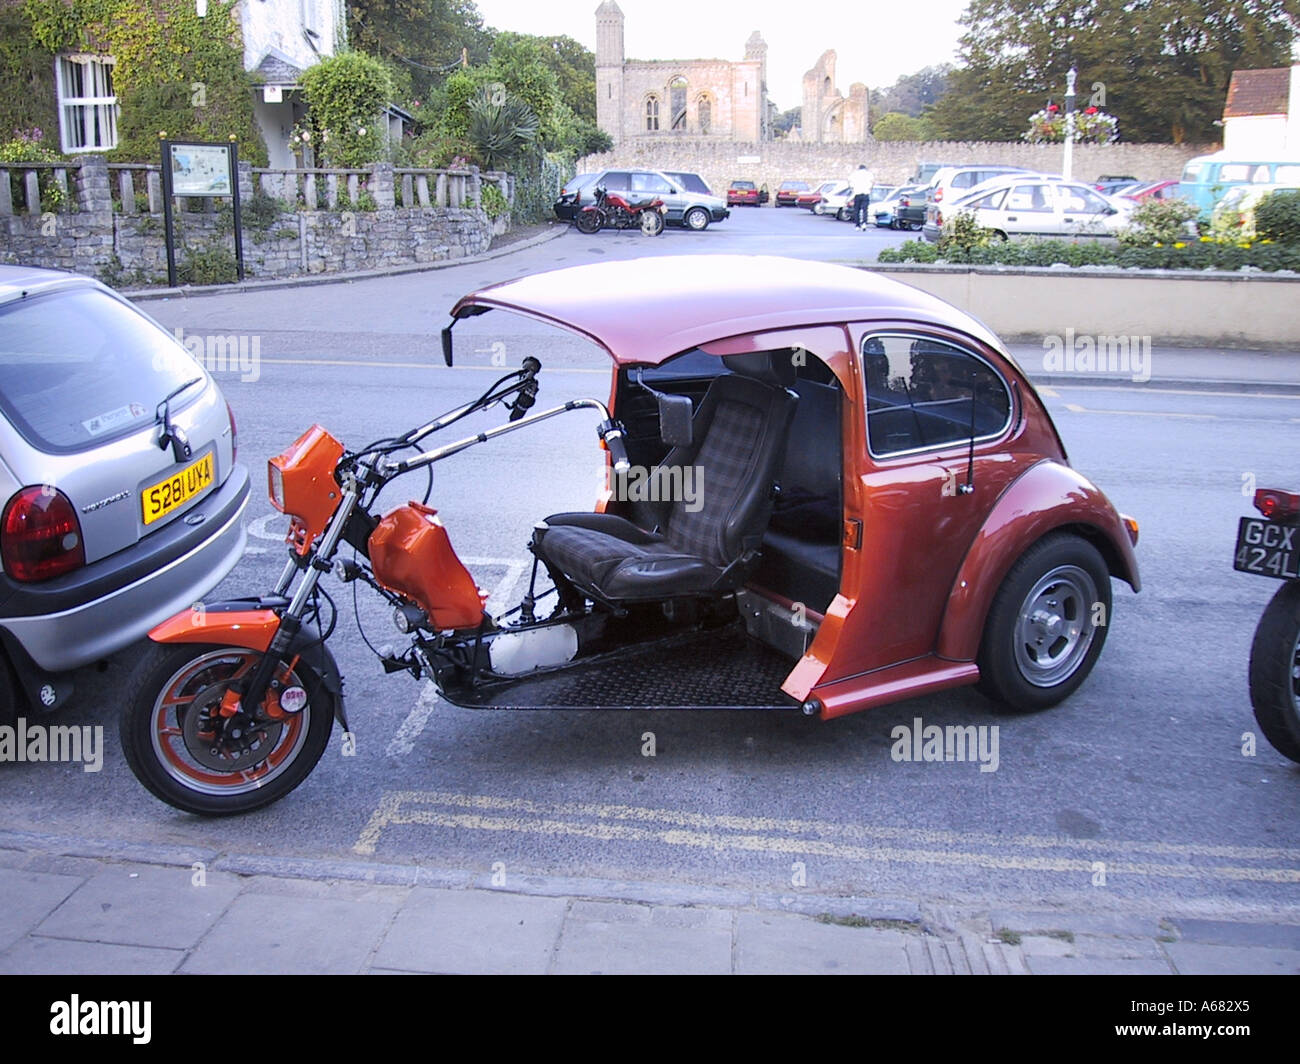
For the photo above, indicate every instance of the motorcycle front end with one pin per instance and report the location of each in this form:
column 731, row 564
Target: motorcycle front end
column 1270, row 546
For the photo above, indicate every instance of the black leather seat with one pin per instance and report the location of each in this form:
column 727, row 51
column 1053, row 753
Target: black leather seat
column 686, row 547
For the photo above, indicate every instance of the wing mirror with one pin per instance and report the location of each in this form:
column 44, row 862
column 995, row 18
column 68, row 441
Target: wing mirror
column 676, row 414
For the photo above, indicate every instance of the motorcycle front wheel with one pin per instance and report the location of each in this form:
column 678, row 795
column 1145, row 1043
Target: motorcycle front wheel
column 652, row 223
column 1275, row 671
column 184, row 752
column 588, row 222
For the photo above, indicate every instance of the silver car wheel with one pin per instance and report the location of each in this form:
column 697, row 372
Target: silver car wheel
column 1054, row 630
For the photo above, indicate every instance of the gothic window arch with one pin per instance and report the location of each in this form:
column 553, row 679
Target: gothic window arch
column 677, row 103
column 704, row 114
column 652, row 114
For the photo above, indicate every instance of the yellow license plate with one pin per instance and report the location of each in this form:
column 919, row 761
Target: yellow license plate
column 178, row 489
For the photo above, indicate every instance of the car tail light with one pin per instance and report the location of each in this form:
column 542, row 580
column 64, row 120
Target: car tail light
column 1277, row 505
column 234, row 433
column 938, row 194
column 904, row 202
column 40, row 536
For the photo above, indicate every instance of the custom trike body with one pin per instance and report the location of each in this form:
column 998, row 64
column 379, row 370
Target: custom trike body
column 825, row 491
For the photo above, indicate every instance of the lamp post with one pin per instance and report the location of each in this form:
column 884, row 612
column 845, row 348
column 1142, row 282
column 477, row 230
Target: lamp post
column 1068, row 163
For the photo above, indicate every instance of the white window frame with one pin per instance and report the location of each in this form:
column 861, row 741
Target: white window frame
column 75, row 112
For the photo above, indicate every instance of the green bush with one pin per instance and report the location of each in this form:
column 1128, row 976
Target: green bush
column 346, row 95
column 494, row 201
column 961, row 235
column 214, row 264
column 1157, row 221
column 1277, row 217
column 28, row 146
column 1181, row 255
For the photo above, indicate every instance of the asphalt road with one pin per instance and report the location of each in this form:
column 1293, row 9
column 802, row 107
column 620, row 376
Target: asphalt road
column 1140, row 776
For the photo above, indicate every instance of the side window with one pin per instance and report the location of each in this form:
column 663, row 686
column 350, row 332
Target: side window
column 924, row 393
column 991, row 202
column 617, row 181
column 1234, row 172
column 1260, row 175
column 1028, row 198
column 1082, row 201
column 650, row 183
column 1284, row 174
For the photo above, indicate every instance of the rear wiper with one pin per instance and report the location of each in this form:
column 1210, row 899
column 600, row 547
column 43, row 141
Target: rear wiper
column 171, row 435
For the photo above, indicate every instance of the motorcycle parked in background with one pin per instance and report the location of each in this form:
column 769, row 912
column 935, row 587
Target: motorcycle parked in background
column 612, row 211
column 1270, row 546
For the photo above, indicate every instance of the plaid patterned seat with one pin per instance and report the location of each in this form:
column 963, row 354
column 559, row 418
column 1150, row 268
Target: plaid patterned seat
column 694, row 548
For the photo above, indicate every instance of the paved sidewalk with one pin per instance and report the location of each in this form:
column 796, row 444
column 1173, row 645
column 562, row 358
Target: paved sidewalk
column 70, row 909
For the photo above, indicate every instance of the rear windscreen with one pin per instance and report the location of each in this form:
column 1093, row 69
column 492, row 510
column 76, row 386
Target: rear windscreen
column 78, row 368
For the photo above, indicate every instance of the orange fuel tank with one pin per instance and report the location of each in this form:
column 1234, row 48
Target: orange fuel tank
column 412, row 555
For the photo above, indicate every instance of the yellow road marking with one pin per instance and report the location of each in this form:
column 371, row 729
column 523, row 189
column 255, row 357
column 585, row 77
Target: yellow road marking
column 1075, row 408
column 611, row 822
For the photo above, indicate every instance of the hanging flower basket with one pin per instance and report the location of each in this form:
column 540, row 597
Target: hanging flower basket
column 1091, row 126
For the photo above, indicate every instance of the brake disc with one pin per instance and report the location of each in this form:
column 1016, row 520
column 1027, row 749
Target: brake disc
column 225, row 744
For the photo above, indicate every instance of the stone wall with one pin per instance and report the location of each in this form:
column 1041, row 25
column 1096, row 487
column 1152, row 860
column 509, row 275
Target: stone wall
column 131, row 249
column 772, row 162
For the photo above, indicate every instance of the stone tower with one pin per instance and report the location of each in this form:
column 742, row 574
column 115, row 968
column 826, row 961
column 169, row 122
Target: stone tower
column 609, row 69
column 756, row 49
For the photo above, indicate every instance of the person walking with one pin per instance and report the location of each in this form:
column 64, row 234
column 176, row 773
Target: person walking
column 861, row 182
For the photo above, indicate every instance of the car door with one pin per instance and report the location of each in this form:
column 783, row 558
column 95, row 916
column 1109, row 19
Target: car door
column 1084, row 212
column 909, row 522
column 647, row 185
column 1031, row 208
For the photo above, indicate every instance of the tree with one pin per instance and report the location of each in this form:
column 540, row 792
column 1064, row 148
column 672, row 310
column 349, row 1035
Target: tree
column 895, row 126
column 911, row 94
column 345, row 95
column 424, row 36
column 786, row 121
column 1160, row 66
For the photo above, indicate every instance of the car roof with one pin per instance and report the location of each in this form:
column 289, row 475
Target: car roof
column 16, row 281
column 684, row 301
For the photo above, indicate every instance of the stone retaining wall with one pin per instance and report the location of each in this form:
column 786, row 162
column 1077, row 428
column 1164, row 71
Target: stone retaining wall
column 131, row 249
column 721, row 162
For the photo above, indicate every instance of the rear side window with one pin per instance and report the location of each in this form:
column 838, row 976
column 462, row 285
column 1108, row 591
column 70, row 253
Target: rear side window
column 1286, row 173
column 991, row 202
column 78, row 369
column 692, row 183
column 617, row 181
column 924, row 393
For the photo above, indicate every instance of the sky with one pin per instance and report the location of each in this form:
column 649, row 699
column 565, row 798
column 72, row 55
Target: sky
column 875, row 43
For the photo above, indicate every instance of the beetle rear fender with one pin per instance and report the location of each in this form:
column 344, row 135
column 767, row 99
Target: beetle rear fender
column 1048, row 497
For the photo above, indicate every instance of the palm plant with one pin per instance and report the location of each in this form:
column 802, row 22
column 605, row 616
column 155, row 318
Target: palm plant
column 500, row 126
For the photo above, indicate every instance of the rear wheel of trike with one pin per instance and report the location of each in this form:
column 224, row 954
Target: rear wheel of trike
column 182, row 749
column 1046, row 626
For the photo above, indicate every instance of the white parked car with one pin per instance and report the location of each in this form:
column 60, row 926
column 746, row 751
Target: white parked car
column 837, row 204
column 1032, row 205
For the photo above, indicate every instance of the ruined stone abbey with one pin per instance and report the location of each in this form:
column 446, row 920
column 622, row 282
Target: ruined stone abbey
column 715, row 98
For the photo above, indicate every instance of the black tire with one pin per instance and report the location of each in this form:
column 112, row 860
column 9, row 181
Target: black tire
column 696, row 219
column 1040, row 641
column 156, row 746
column 998, row 236
column 587, row 222
column 912, row 227
column 843, row 214
column 1274, row 686
column 12, row 699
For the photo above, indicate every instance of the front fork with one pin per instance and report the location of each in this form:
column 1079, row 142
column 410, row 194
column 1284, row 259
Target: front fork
column 253, row 690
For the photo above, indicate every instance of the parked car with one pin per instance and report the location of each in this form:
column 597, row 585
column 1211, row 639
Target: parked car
column 883, row 209
column 909, row 208
column 1032, row 205
column 1207, row 177
column 692, row 210
column 1234, row 215
column 813, row 196
column 787, row 192
column 925, row 172
column 1114, row 184
column 954, row 181
column 838, row 203
column 122, row 499
column 742, row 194
column 1158, row 190
column 570, row 199
column 691, row 182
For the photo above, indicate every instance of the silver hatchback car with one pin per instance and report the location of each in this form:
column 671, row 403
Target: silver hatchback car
column 121, row 499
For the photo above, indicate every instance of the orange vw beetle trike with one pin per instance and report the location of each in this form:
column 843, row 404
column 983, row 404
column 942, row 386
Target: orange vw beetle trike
column 825, row 491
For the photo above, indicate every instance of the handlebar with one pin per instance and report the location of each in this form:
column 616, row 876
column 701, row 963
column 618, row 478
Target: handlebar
column 611, row 434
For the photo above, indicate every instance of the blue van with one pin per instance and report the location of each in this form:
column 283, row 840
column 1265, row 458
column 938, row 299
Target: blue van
column 1207, row 177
